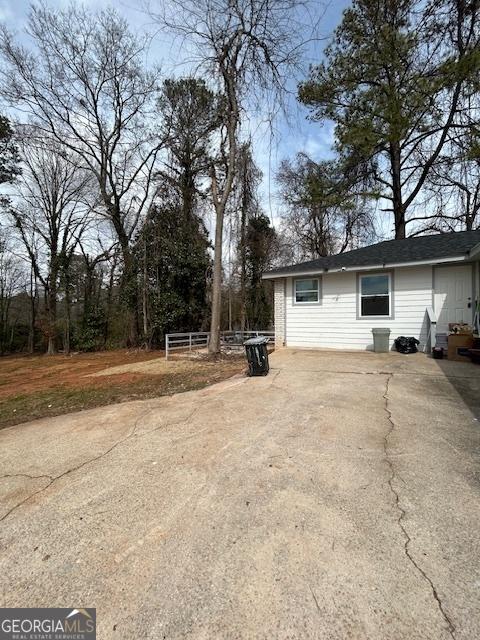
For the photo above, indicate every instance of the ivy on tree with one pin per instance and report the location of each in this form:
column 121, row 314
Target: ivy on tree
column 9, row 158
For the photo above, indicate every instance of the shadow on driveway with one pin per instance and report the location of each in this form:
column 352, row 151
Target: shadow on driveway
column 465, row 379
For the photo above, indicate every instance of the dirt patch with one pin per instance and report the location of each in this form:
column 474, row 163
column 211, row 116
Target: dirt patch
column 39, row 386
column 27, row 374
column 158, row 366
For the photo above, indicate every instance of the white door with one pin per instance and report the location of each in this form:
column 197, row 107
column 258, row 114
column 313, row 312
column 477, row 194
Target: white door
column 453, row 296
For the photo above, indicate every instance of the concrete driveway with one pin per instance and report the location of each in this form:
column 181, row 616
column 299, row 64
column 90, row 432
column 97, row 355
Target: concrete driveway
column 339, row 497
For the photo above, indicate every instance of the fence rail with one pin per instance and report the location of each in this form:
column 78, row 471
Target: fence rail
column 201, row 339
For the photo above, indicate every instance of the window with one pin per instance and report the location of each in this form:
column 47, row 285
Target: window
column 307, row 291
column 375, row 295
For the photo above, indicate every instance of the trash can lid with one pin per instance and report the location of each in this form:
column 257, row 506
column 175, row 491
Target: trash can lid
column 381, row 330
column 259, row 340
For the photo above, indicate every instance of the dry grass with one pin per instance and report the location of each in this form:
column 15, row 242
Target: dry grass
column 39, row 386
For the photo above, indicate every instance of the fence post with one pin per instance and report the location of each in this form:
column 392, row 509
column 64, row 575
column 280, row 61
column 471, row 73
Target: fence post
column 189, row 341
column 166, row 347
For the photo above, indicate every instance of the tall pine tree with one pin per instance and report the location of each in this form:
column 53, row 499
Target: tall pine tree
column 392, row 82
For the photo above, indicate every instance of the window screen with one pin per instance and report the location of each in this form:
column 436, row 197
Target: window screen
column 307, row 290
column 375, row 295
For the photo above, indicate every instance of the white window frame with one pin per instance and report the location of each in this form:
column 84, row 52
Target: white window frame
column 360, row 296
column 307, row 302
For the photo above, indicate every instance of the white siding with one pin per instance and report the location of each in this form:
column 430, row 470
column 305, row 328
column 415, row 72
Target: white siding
column 279, row 310
column 476, row 280
column 334, row 323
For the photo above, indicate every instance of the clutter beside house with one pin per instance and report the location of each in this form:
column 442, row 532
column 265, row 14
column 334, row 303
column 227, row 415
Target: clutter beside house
column 475, row 350
column 406, row 345
column 462, row 343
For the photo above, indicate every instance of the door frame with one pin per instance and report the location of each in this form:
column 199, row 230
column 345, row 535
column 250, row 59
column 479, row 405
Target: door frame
column 472, row 280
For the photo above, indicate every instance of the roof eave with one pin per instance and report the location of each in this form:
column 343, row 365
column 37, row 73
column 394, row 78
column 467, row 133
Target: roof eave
column 290, row 274
column 385, row 265
column 475, row 251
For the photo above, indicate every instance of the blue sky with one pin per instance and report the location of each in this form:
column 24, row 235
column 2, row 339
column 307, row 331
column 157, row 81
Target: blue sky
column 288, row 137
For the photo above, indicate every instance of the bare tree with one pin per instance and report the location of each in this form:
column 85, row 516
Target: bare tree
column 11, row 281
column 84, row 84
column 248, row 48
column 453, row 186
column 32, row 293
column 325, row 208
column 244, row 207
column 50, row 209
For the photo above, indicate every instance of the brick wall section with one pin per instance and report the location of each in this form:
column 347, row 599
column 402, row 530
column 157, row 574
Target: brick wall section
column 279, row 312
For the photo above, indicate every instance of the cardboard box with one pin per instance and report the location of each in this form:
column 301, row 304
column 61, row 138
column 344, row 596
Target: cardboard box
column 460, row 328
column 458, row 343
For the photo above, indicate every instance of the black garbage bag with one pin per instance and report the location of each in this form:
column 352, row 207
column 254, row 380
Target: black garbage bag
column 406, row 345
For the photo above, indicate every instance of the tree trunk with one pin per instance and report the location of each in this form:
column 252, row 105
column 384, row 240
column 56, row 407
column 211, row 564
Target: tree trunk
column 145, row 296
column 87, row 290
column 68, row 310
column 129, row 290
column 51, row 299
column 230, row 304
column 214, row 344
column 12, row 336
column 220, row 202
column 4, row 319
column 470, row 211
column 243, row 269
column 128, row 283
column 109, row 302
column 3, row 328
column 398, row 208
column 220, row 206
column 52, row 319
column 33, row 312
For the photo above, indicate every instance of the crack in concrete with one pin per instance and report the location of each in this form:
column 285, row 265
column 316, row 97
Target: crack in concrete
column 24, row 475
column 380, row 372
column 131, row 434
column 314, row 598
column 275, row 374
column 403, row 513
column 29, row 497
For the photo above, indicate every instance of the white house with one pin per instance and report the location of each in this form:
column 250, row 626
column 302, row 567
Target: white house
column 406, row 285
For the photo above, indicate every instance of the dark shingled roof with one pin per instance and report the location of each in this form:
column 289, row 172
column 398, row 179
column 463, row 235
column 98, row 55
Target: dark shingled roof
column 420, row 248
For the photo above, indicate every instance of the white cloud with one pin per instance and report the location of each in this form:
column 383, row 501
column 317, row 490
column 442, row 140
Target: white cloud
column 5, row 14
column 319, row 145
column 6, row 11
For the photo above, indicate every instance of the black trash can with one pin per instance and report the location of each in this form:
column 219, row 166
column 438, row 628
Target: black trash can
column 257, row 356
